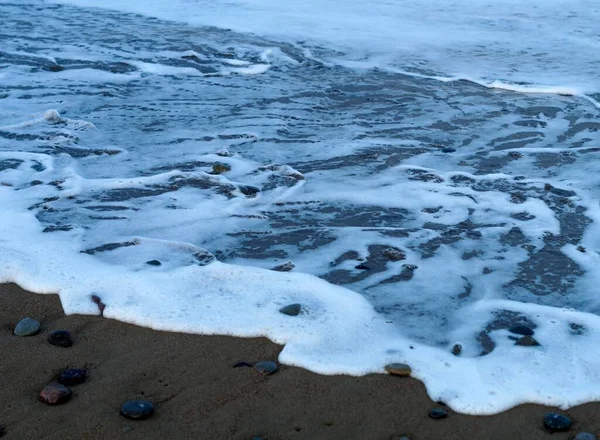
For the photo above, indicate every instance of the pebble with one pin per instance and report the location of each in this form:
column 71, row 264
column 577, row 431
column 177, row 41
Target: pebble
column 521, row 330
column 393, row 254
column 153, row 263
column 585, row 436
column 438, row 413
column 285, row 267
column 137, row 409
column 456, row 349
column 72, row 376
column 27, row 327
column 398, row 369
column 527, row 341
column 220, row 167
column 265, row 368
column 448, row 150
column 55, row 394
column 291, row 310
column 60, row 338
column 557, row 422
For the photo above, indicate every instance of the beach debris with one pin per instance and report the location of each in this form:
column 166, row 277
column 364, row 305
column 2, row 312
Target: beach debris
column 394, row 254
column 101, row 306
column 220, row 167
column 285, row 267
column 557, row 422
column 60, row 338
column 585, row 436
column 27, row 327
column 153, row 263
column 72, row 376
column 55, row 394
column 521, row 330
column 242, row 364
column 456, row 349
column 265, row 368
column 448, row 150
column 291, row 309
column 137, row 409
column 527, row 341
column 398, row 369
column 438, row 413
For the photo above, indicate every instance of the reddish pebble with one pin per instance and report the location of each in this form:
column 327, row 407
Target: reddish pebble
column 55, row 394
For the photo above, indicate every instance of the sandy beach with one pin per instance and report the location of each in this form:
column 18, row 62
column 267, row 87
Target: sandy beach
column 199, row 395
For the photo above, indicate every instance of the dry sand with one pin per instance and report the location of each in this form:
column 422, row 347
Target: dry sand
column 198, row 395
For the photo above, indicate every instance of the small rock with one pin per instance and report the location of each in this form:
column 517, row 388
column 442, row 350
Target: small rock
column 224, row 153
column 153, row 263
column 101, row 306
column 456, row 349
column 438, row 413
column 521, row 330
column 394, row 254
column 72, row 376
column 265, row 368
column 362, row 266
column 291, row 310
column 220, row 167
column 585, row 436
column 448, row 150
column 249, row 190
column 398, row 369
column 285, row 267
column 55, row 394
column 527, row 341
column 557, row 422
column 582, row 250
column 137, row 409
column 60, row 338
column 27, row 327
column 487, row 271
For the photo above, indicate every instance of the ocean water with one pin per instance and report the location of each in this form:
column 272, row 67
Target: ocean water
column 431, row 169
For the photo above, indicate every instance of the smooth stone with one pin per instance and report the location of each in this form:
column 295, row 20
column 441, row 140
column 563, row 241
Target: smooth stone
column 398, row 369
column 72, row 376
column 457, row 349
column 557, row 422
column 60, row 338
column 285, row 267
column 527, row 341
column 153, row 263
column 137, row 409
column 55, row 394
column 265, row 368
column 220, row 167
column 27, row 327
column 448, row 150
column 438, row 413
column 291, row 310
column 585, row 436
column 521, row 330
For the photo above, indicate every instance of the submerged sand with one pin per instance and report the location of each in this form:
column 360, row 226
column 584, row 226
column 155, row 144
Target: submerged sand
column 199, row 395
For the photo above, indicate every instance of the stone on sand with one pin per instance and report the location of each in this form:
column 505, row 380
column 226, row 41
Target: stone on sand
column 137, row 409
column 60, row 338
column 265, row 368
column 557, row 422
column 27, row 327
column 55, row 394
column 72, row 376
column 398, row 369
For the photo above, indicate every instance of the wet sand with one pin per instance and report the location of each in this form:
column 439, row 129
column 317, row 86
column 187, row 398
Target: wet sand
column 199, row 395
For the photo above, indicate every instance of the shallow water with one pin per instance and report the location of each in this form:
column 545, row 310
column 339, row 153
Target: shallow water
column 111, row 123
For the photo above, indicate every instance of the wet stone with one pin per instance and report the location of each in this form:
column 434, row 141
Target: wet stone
column 585, row 436
column 291, row 309
column 456, row 349
column 72, row 376
column 285, row 267
column 55, row 394
column 394, row 254
column 438, row 413
column 527, row 341
column 362, row 266
column 265, row 368
column 521, row 330
column 557, row 422
column 398, row 369
column 137, row 409
column 60, row 338
column 27, row 327
column 153, row 263
column 448, row 150
column 220, row 167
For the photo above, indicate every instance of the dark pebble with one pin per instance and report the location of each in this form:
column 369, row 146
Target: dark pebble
column 265, row 368
column 137, row 409
column 249, row 190
column 438, row 413
column 55, row 394
column 521, row 330
column 448, row 150
column 557, row 422
column 27, row 327
column 457, row 349
column 72, row 376
column 362, row 266
column 153, row 263
column 291, row 310
column 60, row 338
column 527, row 341
column 585, row 436
column 285, row 267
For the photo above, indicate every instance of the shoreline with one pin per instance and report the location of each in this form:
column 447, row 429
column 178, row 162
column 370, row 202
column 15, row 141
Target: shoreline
column 198, row 394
